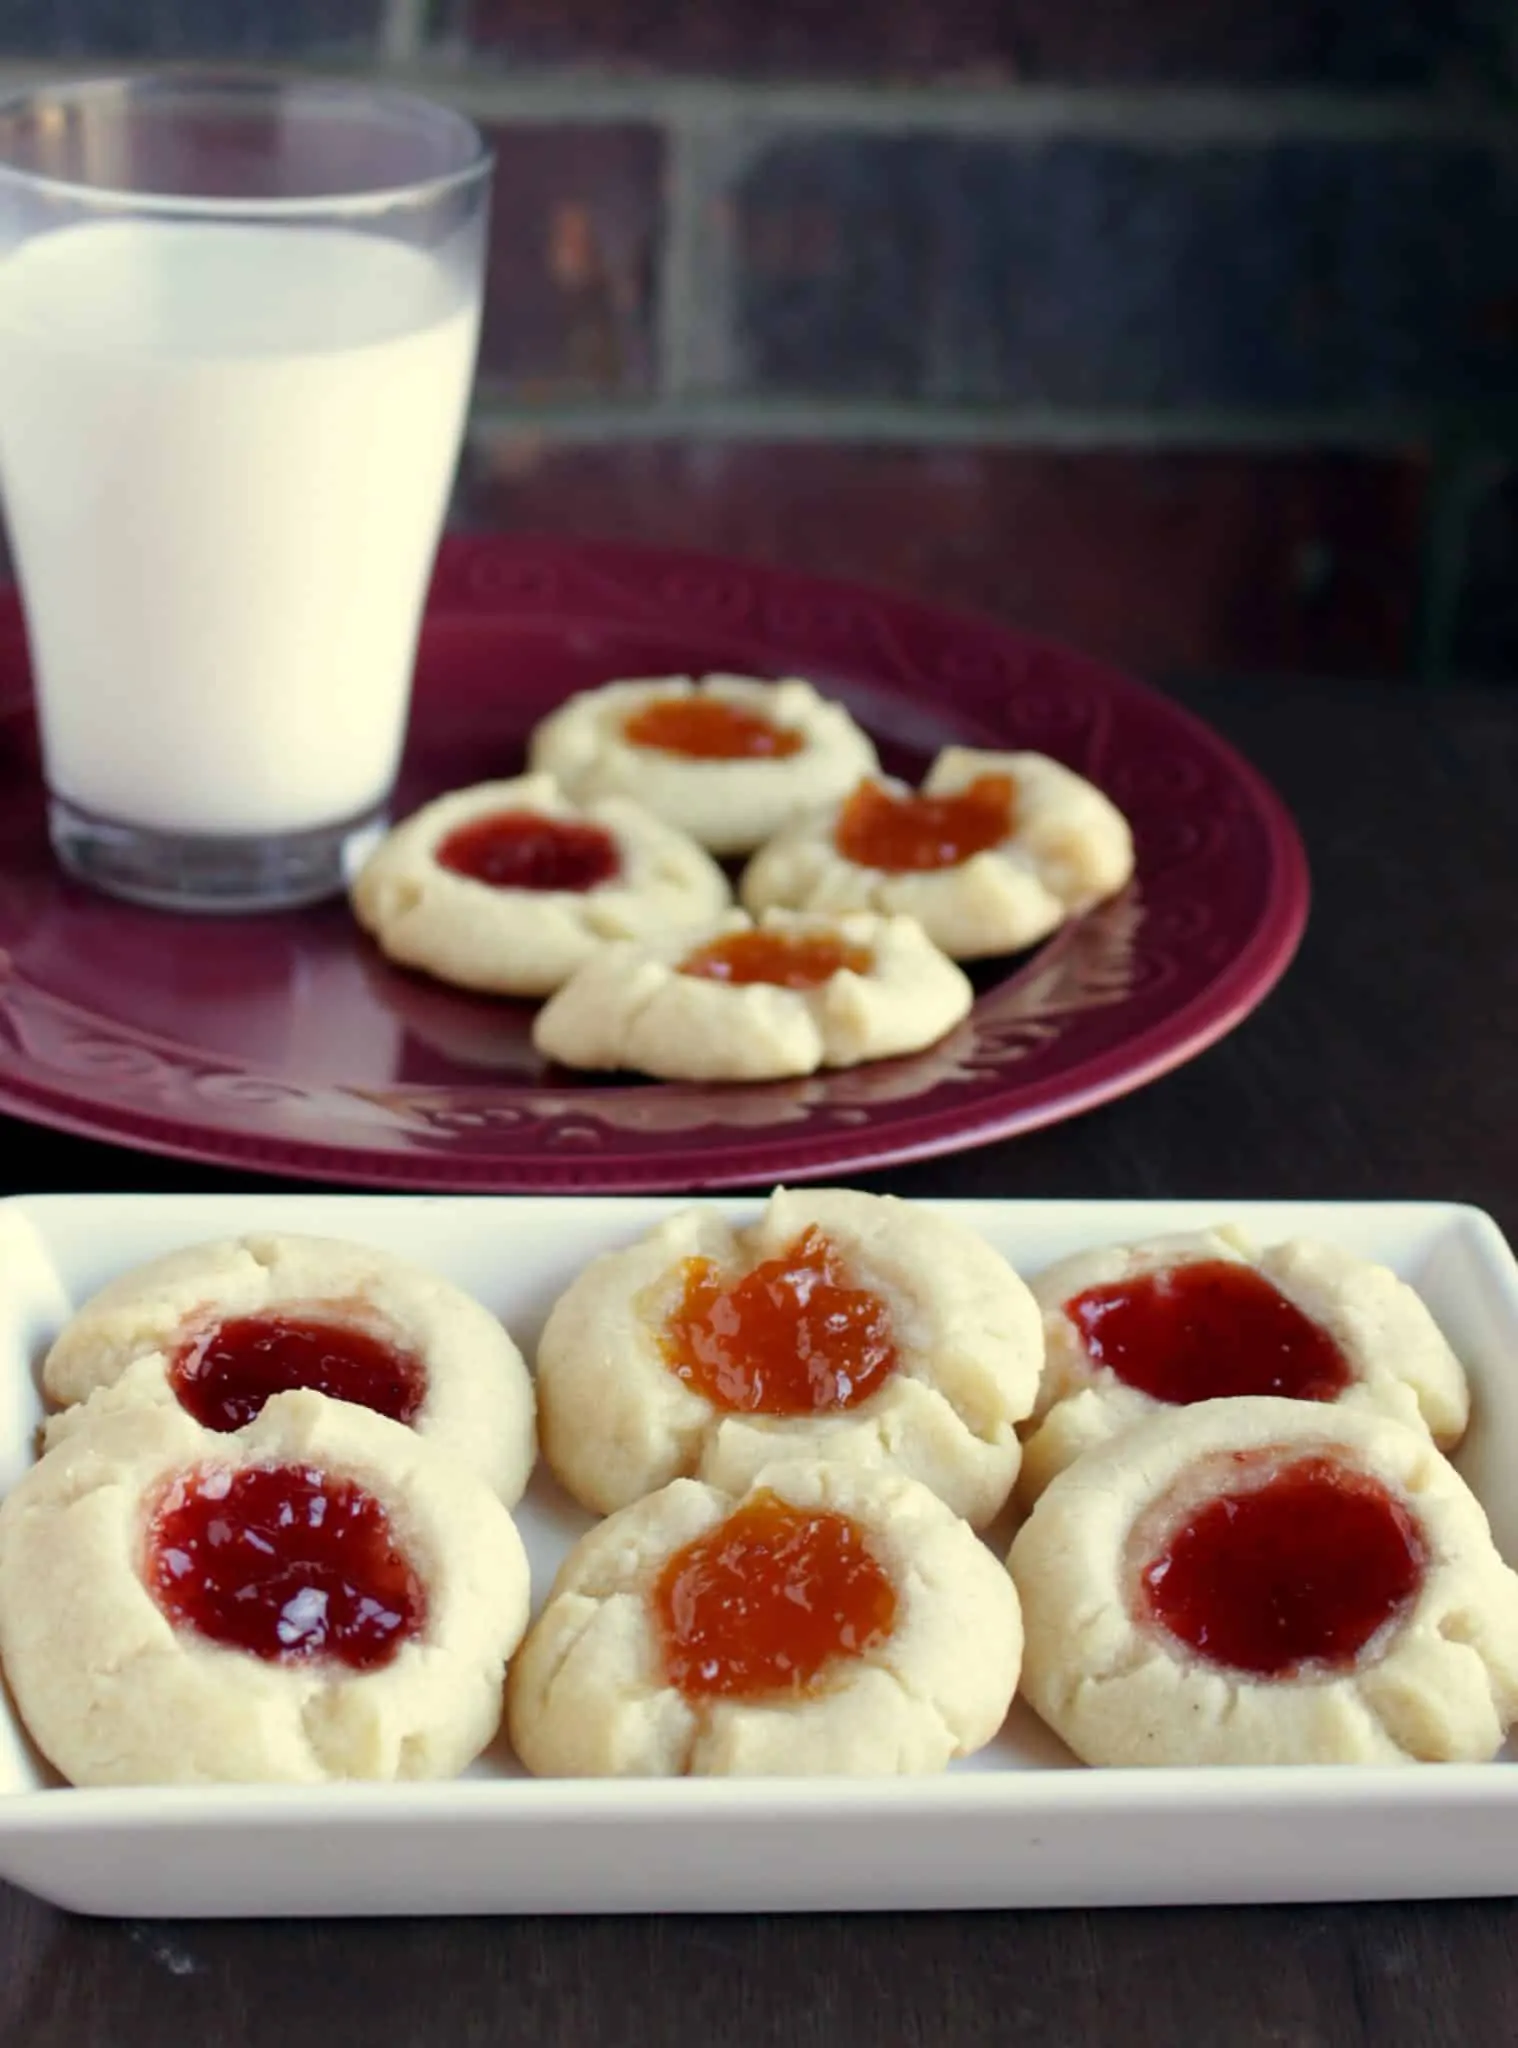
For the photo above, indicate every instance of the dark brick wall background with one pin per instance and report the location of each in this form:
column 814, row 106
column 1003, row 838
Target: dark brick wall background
column 1353, row 44
column 1089, row 272
column 1183, row 329
column 1011, row 42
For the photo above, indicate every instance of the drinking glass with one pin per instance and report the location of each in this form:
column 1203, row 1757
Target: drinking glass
column 238, row 323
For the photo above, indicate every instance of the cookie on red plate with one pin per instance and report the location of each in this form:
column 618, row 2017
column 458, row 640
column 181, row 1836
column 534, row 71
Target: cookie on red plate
column 508, row 887
column 728, row 759
column 757, row 1002
column 992, row 854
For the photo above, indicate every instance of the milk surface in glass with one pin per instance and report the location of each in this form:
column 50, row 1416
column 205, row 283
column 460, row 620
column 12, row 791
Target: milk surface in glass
column 225, row 451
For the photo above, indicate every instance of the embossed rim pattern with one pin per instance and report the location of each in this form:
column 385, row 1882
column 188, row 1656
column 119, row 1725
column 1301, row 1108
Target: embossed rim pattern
column 1113, row 1002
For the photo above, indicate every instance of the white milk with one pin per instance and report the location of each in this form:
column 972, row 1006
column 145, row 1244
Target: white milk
column 225, row 453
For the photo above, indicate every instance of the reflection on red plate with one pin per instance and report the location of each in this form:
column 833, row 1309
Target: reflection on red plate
column 285, row 1044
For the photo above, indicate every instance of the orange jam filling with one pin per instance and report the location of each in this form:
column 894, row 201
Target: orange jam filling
column 799, row 960
column 709, row 729
column 767, row 1600
column 792, row 1337
column 906, row 834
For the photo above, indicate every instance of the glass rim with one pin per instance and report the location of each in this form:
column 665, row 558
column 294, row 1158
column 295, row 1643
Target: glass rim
column 248, row 85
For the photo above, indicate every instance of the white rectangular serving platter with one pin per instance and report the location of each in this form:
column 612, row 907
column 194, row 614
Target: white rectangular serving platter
column 1020, row 1825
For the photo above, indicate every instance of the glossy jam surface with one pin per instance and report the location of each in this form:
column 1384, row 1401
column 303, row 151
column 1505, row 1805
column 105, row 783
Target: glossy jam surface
column 785, row 960
column 1288, row 1568
column 224, row 1374
column 905, row 834
column 792, row 1337
column 767, row 1600
column 285, row 1562
column 525, row 850
column 709, row 729
column 1206, row 1331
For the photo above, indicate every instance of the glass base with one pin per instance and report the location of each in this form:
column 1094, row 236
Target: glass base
column 209, row 874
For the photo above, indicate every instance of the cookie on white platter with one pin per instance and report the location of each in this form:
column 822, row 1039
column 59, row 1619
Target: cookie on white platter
column 1261, row 1581
column 755, row 754
column 1027, row 844
column 747, row 1002
column 604, row 870
column 218, row 1326
column 873, row 1332
column 1141, row 1329
column 827, row 1620
column 318, row 1596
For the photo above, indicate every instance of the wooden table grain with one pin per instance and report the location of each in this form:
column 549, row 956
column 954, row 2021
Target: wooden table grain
column 1385, row 1066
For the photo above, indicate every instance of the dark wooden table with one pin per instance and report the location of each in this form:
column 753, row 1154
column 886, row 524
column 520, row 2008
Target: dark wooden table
column 1386, row 1065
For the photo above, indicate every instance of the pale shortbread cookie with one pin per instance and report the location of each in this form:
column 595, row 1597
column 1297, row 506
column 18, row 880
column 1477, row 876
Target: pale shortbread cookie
column 1401, row 1363
column 589, row 1694
column 727, row 806
column 1069, row 848
column 527, row 942
column 113, row 1693
column 631, row 1008
column 117, row 1350
column 1439, row 1683
column 616, row 1422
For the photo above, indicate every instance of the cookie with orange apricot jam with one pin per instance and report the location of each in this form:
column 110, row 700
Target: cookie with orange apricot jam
column 828, row 1619
column 993, row 853
column 836, row 1324
column 728, row 759
column 1259, row 1580
column 758, row 1002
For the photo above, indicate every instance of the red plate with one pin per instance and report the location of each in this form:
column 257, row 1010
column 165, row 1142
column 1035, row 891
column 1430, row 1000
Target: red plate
column 285, row 1044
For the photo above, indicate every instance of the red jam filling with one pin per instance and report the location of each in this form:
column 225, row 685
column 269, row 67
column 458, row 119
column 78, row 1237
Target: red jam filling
column 1206, row 1331
column 710, row 729
column 1299, row 1570
column 799, row 960
column 766, row 1601
column 284, row 1562
column 525, row 850
column 792, row 1337
column 906, row 834
column 223, row 1375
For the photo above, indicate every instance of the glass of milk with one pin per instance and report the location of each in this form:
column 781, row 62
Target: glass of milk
column 238, row 321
